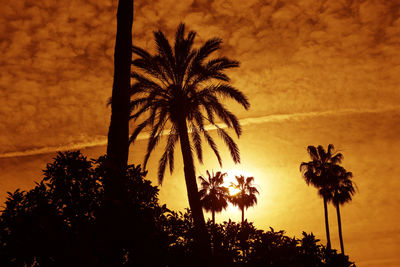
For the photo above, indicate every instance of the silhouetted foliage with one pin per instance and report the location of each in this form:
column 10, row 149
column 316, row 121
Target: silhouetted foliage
column 237, row 244
column 320, row 172
column 213, row 196
column 55, row 224
column 334, row 183
column 246, row 197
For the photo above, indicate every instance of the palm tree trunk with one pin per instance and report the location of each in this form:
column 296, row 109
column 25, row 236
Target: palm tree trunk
column 328, row 239
column 201, row 234
column 111, row 228
column 118, row 133
column 340, row 228
column 213, row 216
column 242, row 215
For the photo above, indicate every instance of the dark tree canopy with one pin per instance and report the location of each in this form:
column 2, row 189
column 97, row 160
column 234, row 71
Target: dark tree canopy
column 214, row 196
column 246, row 197
column 54, row 224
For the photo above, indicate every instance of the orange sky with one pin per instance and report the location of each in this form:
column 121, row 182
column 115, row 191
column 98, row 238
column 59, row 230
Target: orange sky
column 315, row 72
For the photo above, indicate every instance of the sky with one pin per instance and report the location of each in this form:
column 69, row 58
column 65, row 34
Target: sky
column 315, row 73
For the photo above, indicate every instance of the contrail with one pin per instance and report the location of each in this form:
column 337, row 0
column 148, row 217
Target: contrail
column 102, row 140
column 303, row 115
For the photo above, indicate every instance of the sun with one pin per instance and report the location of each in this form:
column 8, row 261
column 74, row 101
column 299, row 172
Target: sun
column 230, row 178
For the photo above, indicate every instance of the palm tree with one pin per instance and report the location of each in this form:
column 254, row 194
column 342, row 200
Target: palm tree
column 118, row 137
column 213, row 196
column 247, row 193
column 319, row 173
column 342, row 193
column 174, row 89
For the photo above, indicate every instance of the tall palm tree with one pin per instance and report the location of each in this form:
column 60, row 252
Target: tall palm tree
column 342, row 193
column 118, row 133
column 179, row 88
column 213, row 196
column 118, row 139
column 246, row 197
column 319, row 173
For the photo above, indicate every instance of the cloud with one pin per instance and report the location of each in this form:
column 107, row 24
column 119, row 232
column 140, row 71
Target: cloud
column 56, row 72
column 102, row 141
column 304, row 56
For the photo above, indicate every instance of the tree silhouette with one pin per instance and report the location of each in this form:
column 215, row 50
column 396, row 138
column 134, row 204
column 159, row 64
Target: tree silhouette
column 213, row 196
column 342, row 193
column 173, row 89
column 246, row 197
column 55, row 224
column 118, row 133
column 320, row 173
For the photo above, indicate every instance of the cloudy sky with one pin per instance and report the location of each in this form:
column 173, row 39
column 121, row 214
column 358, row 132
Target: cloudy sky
column 315, row 72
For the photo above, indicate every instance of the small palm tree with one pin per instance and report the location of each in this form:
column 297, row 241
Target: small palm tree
column 179, row 88
column 319, row 173
column 342, row 193
column 246, row 197
column 213, row 196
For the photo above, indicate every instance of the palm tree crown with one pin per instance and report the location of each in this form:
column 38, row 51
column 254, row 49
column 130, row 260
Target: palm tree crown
column 344, row 189
column 246, row 197
column 317, row 172
column 213, row 196
column 174, row 88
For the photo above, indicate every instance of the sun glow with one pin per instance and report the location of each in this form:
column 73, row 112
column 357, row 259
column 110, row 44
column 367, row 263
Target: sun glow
column 262, row 181
column 232, row 191
column 230, row 179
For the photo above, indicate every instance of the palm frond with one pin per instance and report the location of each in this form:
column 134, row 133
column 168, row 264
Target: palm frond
column 151, row 68
column 197, row 143
column 141, row 52
column 312, row 151
column 137, row 88
column 138, row 129
column 321, row 153
column 207, row 49
column 222, row 63
column 337, row 158
column 136, row 103
column 231, row 92
column 330, row 150
column 213, row 146
column 150, row 105
column 146, row 83
column 233, row 148
column 168, row 155
column 155, row 137
column 204, row 183
column 161, row 167
column 165, row 50
column 172, row 140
